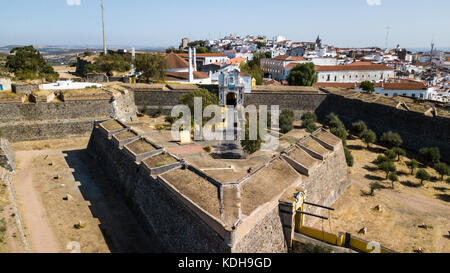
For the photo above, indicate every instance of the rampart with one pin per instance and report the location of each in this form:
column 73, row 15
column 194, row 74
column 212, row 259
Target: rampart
column 417, row 129
column 191, row 211
column 381, row 114
column 48, row 114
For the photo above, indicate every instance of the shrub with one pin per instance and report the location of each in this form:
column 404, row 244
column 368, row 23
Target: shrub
column 358, row 128
column 310, row 127
column 431, row 155
column 333, row 121
column 391, row 139
column 368, row 137
column 158, row 112
column 286, row 121
column 442, row 169
column 390, row 154
column 309, row 116
column 349, row 157
column 170, row 119
column 207, row 149
column 412, row 165
column 422, row 175
column 144, row 109
column 341, row 133
column 367, row 86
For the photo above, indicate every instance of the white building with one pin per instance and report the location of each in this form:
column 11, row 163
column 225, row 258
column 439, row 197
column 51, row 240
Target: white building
column 280, row 66
column 233, row 85
column 355, row 72
column 66, row 85
column 5, row 84
column 406, row 88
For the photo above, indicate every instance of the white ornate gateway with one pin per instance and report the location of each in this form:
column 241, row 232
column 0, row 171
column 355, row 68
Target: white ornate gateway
column 233, row 85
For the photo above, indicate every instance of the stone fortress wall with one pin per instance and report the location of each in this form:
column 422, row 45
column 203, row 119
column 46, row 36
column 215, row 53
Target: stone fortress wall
column 417, row 129
column 192, row 212
column 59, row 114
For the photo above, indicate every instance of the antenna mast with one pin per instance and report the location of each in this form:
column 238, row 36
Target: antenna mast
column 103, row 26
column 387, row 37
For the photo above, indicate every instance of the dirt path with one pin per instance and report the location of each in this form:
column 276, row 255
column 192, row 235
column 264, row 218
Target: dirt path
column 41, row 236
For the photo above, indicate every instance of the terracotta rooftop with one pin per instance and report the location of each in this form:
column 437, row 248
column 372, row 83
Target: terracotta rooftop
column 405, row 85
column 185, row 75
column 175, row 61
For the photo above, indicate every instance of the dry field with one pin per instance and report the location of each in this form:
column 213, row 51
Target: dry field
column 403, row 209
column 67, row 206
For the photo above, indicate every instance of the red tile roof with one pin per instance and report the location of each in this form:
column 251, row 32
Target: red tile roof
column 405, row 85
column 185, row 75
column 175, row 61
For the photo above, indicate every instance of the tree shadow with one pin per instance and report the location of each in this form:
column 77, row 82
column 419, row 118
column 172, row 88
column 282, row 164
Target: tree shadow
column 443, row 197
column 120, row 227
column 410, row 184
column 446, row 236
column 441, row 189
column 373, row 177
column 402, row 173
column 370, row 168
column 377, row 150
column 355, row 147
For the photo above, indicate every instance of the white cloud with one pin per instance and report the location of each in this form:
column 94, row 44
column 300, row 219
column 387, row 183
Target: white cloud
column 73, row 2
column 374, row 2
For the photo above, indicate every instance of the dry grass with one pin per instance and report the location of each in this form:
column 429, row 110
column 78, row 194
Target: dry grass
column 196, row 188
column 125, row 135
column 302, row 157
column 112, row 125
column 140, row 146
column 266, row 184
column 159, row 160
column 404, row 208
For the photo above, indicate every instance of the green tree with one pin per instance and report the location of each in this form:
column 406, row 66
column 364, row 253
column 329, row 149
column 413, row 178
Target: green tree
column 207, row 97
column 112, row 62
column 368, row 137
column 358, row 128
column 390, row 154
column 309, row 121
column 303, row 75
column 27, row 63
column 399, row 152
column 254, row 70
column 349, row 157
column 393, row 177
column 431, row 155
column 442, row 169
column 248, row 145
column 422, row 175
column 286, row 121
column 333, row 121
column 391, row 139
column 412, row 165
column 367, row 86
column 341, row 133
column 152, row 66
column 387, row 167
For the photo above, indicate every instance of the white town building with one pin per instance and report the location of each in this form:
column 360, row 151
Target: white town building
column 355, row 72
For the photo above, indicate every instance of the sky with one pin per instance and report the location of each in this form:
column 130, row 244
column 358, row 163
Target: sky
column 152, row 23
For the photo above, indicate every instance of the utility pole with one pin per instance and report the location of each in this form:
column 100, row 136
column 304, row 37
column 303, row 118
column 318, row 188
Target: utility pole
column 387, row 37
column 103, row 26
